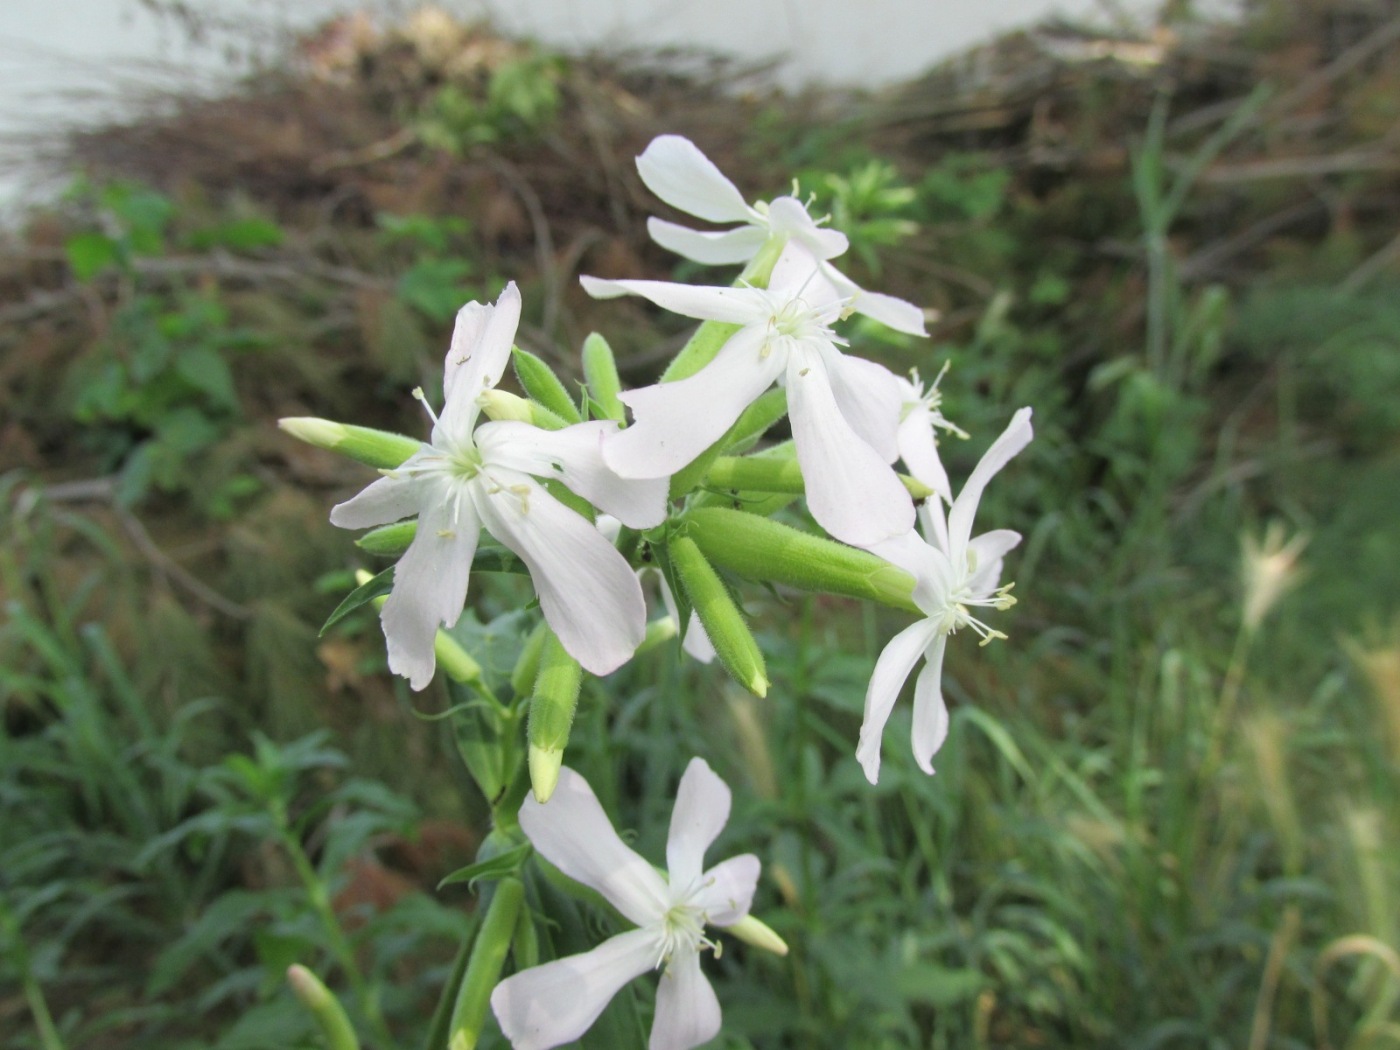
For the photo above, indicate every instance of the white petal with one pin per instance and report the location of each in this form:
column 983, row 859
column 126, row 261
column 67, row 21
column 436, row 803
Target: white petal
column 703, row 302
column 702, row 807
column 557, row 1002
column 729, row 889
column 852, row 492
column 868, row 396
column 933, row 520
column 675, row 422
column 574, row 834
column 718, row 248
column 430, row 587
column 588, row 592
column 380, row 502
column 891, row 671
column 1015, row 437
column 930, row 712
column 788, row 215
column 675, row 170
column 574, row 456
column 687, row 1012
column 798, row 274
column 899, row 314
column 987, row 551
column 918, row 448
column 910, row 553
column 481, row 342
column 696, row 642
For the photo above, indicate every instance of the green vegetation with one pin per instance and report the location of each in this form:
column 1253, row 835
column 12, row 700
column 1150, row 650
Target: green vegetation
column 1166, row 815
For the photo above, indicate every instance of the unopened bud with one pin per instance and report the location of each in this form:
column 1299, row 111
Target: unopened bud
column 734, row 643
column 377, row 448
column 552, row 706
column 388, row 541
column 600, row 373
column 544, row 765
column 502, row 404
column 527, row 664
column 324, row 1007
column 544, row 386
column 759, row 548
column 759, row 934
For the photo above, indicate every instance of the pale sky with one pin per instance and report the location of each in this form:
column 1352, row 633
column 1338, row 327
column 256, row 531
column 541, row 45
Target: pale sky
column 69, row 60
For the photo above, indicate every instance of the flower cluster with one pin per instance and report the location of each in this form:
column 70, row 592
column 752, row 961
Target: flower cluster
column 591, row 505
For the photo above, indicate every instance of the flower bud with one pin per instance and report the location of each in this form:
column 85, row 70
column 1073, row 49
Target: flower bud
column 388, row 541
column 759, row 934
column 600, row 372
column 772, row 474
column 501, row 404
column 733, row 641
column 324, row 1007
column 759, row 548
column 377, row 448
column 527, row 665
column 544, row 386
column 552, row 706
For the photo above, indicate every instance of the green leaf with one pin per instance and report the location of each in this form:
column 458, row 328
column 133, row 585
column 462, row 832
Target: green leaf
column 436, row 287
column 940, row 986
column 90, row 253
column 371, row 589
column 499, row 866
column 204, row 368
column 240, row 235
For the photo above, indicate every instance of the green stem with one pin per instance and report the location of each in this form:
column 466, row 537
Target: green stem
column 484, row 968
column 318, row 893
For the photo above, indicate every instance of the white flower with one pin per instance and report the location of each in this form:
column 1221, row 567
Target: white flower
column 469, row 478
column 920, row 412
column 556, row 1003
column 844, row 410
column 675, row 170
column 955, row 575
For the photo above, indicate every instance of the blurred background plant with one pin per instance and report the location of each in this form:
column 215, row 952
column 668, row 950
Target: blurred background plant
column 1166, row 815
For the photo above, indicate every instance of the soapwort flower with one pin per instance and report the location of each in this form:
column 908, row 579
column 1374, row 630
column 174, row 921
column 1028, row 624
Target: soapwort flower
column 844, row 410
column 470, row 477
column 558, row 1001
column 920, row 417
column 675, row 169
column 956, row 576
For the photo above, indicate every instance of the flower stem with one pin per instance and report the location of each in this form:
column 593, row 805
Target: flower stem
column 484, row 968
column 318, row 893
